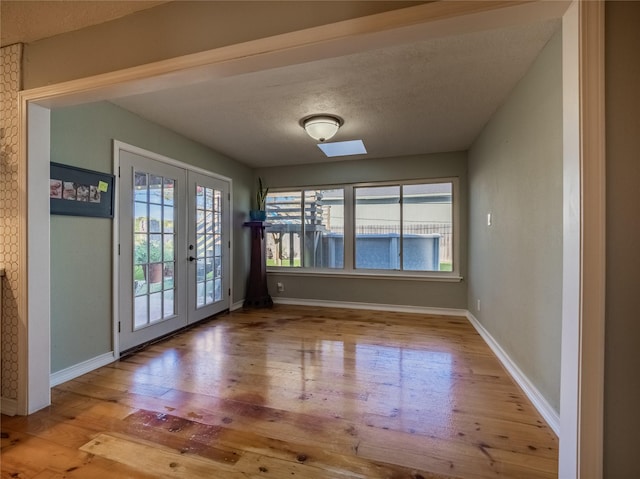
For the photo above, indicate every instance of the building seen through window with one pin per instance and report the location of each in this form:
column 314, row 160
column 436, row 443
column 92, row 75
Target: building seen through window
column 397, row 227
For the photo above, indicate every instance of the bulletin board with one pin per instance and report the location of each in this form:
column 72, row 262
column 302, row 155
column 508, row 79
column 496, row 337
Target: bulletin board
column 78, row 192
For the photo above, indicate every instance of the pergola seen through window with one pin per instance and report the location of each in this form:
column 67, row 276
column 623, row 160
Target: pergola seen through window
column 392, row 227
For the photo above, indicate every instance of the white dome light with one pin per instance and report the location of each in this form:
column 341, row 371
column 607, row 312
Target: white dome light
column 321, row 127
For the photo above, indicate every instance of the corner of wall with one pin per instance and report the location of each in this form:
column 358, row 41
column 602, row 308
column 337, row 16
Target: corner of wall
column 10, row 239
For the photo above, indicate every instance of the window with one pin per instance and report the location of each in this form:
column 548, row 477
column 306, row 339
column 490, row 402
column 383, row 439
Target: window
column 427, row 226
column 306, row 228
column 402, row 228
column 378, row 227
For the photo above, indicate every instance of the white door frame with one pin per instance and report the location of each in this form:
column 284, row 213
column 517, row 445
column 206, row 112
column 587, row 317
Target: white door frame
column 119, row 146
column 195, row 313
column 583, row 298
column 583, row 314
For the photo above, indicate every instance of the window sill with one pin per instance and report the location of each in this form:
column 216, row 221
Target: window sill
column 443, row 278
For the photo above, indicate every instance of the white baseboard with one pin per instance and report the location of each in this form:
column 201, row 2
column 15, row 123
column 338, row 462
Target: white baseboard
column 79, row 369
column 539, row 402
column 8, row 407
column 237, row 305
column 321, row 303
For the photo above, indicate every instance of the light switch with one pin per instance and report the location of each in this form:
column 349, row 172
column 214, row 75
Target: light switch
column 488, row 219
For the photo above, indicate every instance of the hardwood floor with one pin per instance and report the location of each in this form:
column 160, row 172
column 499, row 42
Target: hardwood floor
column 291, row 392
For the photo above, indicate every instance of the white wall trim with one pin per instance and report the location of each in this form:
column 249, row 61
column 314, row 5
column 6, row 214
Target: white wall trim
column 115, row 253
column 593, row 238
column 79, row 369
column 8, row 407
column 122, row 146
column 583, row 308
column 237, row 305
column 321, row 303
column 318, row 273
column 35, row 342
column 535, row 396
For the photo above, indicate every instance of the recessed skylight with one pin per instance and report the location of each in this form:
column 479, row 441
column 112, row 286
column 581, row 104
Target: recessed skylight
column 343, row 148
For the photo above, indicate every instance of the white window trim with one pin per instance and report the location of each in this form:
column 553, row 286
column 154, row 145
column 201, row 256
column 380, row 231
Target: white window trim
column 356, row 274
column 349, row 270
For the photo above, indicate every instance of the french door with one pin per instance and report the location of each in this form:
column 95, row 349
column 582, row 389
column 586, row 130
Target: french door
column 173, row 247
column 208, row 246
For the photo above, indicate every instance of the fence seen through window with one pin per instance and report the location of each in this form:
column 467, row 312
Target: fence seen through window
column 401, row 227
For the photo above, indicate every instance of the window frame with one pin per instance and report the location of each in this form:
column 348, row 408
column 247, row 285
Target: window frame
column 349, row 270
column 301, row 191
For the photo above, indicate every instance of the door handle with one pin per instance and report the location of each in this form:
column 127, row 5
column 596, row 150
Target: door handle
column 192, row 258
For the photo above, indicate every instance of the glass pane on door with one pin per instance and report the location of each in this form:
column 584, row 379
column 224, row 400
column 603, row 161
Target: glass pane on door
column 154, row 238
column 208, row 216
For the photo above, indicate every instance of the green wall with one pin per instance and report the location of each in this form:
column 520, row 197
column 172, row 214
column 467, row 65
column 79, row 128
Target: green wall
column 434, row 294
column 515, row 265
column 81, row 248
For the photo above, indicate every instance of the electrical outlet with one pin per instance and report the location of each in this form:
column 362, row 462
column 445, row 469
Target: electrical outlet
column 280, row 287
column 478, row 305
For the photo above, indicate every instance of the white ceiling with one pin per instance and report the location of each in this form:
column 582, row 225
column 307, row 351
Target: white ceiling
column 430, row 96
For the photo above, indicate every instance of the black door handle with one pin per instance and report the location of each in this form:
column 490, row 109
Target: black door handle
column 192, row 258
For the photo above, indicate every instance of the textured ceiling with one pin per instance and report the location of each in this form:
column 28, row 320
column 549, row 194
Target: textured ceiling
column 431, row 96
column 30, row 20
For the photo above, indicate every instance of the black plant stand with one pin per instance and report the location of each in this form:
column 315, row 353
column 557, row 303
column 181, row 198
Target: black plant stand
column 257, row 295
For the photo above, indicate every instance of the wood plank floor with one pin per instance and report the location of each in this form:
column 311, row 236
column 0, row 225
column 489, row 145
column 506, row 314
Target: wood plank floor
column 291, row 392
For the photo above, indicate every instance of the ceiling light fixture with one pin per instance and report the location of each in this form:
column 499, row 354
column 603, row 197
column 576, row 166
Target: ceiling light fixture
column 321, row 127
